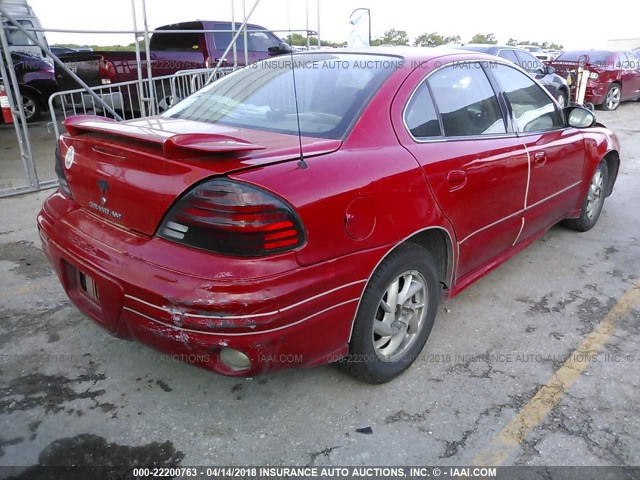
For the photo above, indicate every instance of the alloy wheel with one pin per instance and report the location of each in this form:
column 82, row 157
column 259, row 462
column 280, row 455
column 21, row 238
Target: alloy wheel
column 613, row 97
column 400, row 315
column 595, row 193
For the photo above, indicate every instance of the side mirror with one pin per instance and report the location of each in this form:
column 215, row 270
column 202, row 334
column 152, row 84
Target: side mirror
column 579, row 117
column 550, row 70
column 281, row 49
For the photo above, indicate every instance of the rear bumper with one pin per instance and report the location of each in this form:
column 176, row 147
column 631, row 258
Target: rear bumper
column 292, row 316
column 596, row 92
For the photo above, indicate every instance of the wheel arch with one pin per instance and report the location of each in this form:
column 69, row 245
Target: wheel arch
column 439, row 242
column 24, row 88
column 613, row 166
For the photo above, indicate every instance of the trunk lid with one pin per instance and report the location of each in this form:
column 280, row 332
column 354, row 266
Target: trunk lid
column 131, row 172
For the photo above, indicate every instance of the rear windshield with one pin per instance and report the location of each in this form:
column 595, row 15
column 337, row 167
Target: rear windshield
column 593, row 57
column 332, row 89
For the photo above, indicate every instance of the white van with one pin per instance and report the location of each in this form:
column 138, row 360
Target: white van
column 18, row 41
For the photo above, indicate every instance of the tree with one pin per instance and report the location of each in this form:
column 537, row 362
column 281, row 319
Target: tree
column 395, row 37
column 489, row 38
column 434, row 39
column 429, row 40
column 296, row 39
column 512, row 41
column 452, row 39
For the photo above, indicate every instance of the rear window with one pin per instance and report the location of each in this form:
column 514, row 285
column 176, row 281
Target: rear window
column 594, row 57
column 180, row 42
column 332, row 89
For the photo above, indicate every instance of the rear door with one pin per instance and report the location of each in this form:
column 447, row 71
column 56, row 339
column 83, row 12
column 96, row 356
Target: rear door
column 477, row 171
column 172, row 52
column 556, row 152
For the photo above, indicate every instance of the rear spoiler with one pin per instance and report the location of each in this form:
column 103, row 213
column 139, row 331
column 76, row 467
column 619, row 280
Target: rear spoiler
column 174, row 145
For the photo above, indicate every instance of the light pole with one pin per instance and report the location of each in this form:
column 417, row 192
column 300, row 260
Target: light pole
column 368, row 10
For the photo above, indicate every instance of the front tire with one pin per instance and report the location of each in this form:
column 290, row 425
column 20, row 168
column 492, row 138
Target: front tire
column 593, row 201
column 31, row 107
column 562, row 98
column 395, row 316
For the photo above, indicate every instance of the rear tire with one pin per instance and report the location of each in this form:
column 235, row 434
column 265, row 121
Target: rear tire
column 593, row 201
column 613, row 97
column 395, row 317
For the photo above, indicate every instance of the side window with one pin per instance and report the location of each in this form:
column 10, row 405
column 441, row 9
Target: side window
column 509, row 55
column 223, row 39
column 261, row 41
column 634, row 62
column 16, row 37
column 533, row 110
column 466, row 101
column 420, row 115
column 530, row 63
column 621, row 61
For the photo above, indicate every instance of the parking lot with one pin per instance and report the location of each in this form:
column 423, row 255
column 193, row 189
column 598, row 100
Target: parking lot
column 536, row 364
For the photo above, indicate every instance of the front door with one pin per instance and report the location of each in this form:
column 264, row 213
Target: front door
column 476, row 170
column 556, row 152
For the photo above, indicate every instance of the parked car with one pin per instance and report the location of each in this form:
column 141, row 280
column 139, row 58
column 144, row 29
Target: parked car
column 170, row 53
column 530, row 48
column 273, row 220
column 63, row 50
column 556, row 85
column 614, row 75
column 37, row 83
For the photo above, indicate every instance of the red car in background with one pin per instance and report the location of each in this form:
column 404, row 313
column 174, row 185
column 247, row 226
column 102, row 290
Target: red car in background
column 614, row 75
column 315, row 208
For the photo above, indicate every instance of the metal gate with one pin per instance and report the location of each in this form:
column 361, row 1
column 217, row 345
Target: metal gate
column 27, row 166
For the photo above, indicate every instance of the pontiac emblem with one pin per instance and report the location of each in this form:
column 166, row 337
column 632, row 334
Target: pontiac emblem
column 104, row 188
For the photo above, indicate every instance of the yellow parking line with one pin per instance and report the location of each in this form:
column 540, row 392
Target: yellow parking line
column 549, row 395
column 28, row 288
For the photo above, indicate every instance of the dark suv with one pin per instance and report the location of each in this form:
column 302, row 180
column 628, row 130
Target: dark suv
column 556, row 85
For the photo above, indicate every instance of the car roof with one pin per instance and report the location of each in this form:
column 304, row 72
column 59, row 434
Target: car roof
column 406, row 52
column 587, row 51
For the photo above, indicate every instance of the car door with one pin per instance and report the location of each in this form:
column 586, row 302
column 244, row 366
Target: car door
column 477, row 171
column 630, row 76
column 556, row 153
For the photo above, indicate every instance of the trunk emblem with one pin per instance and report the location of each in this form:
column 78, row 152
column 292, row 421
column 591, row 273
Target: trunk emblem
column 69, row 157
column 104, row 188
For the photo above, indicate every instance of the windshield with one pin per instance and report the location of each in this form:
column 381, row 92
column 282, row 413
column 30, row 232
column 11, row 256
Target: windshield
column 594, row 57
column 332, row 89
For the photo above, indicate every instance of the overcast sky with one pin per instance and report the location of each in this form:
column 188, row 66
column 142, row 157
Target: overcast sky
column 580, row 24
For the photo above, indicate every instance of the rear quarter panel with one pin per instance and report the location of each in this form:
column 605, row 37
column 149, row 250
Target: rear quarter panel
column 370, row 193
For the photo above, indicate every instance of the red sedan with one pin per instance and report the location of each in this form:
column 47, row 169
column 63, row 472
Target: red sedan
column 614, row 76
column 316, row 208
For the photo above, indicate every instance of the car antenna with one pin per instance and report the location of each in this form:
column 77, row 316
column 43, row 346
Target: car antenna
column 302, row 164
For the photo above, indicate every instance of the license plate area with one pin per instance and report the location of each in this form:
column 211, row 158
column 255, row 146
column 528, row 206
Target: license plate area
column 88, row 287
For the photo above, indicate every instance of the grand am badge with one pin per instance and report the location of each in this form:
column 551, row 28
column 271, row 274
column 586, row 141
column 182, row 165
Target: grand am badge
column 69, row 158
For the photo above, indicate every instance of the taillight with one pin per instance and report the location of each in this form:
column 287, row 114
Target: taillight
column 594, row 76
column 63, row 185
column 233, row 218
column 107, row 72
